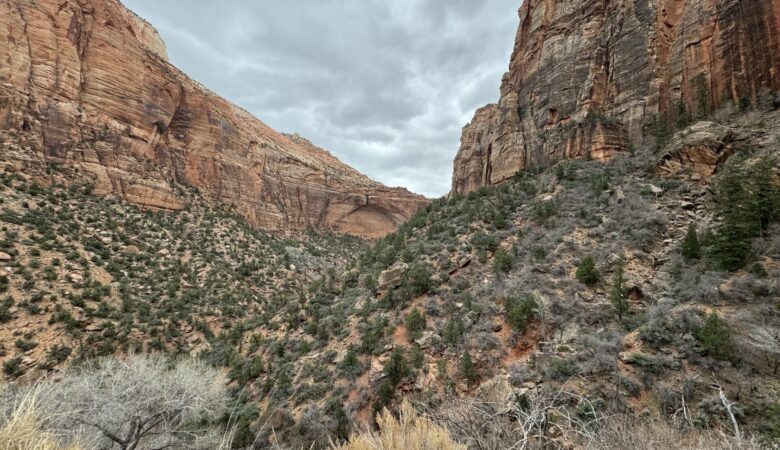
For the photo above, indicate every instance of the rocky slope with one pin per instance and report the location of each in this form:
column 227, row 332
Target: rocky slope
column 88, row 83
column 589, row 79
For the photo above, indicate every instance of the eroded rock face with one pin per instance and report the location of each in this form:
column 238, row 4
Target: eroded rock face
column 589, row 77
column 87, row 83
column 699, row 149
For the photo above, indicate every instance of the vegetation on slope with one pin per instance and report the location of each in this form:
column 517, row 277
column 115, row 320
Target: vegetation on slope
column 605, row 282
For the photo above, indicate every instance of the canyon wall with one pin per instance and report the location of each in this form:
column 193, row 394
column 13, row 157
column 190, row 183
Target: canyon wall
column 87, row 83
column 590, row 78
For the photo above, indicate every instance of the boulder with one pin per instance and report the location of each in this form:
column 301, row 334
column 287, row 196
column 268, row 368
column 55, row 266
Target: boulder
column 391, row 278
column 131, row 250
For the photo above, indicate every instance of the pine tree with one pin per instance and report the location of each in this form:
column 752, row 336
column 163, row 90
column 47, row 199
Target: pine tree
column 690, row 247
column 618, row 293
column 739, row 221
column 467, row 369
column 766, row 195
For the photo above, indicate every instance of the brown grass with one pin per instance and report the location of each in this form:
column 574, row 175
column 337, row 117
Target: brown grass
column 21, row 432
column 636, row 434
column 409, row 432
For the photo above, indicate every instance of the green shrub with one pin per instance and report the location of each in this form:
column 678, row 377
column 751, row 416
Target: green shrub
column 467, row 369
column 13, row 367
column 586, row 271
column 415, row 324
column 502, row 263
column 396, row 368
column 453, row 331
column 416, row 357
column 419, row 278
column 770, row 425
column 656, row 334
column 559, row 369
column 691, row 249
column 715, row 337
column 25, row 345
column 520, row 311
column 485, row 242
column 384, row 396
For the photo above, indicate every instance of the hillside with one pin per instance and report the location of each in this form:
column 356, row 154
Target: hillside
column 88, row 84
column 605, row 272
column 493, row 275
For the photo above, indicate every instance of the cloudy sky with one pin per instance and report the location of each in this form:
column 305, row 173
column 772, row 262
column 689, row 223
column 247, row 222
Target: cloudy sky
column 385, row 85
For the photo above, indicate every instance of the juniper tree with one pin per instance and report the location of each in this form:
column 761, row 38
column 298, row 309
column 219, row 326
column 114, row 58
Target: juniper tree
column 502, row 262
column 415, row 324
column 690, row 247
column 467, row 369
column 715, row 337
column 586, row 271
column 618, row 293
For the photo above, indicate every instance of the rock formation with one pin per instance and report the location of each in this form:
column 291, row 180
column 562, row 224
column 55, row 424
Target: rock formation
column 88, row 83
column 588, row 78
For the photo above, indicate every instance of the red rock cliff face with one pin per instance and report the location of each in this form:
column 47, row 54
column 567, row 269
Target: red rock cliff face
column 587, row 77
column 88, row 83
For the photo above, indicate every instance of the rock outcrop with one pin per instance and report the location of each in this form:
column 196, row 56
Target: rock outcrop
column 88, row 83
column 588, row 78
column 699, row 149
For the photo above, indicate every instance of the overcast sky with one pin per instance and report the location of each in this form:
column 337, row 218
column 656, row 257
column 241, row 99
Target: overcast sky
column 385, row 85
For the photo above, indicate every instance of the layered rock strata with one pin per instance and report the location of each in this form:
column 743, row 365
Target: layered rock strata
column 590, row 78
column 88, row 83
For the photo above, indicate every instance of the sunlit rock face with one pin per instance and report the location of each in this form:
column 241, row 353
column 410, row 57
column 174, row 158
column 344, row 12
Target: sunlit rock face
column 588, row 78
column 88, row 83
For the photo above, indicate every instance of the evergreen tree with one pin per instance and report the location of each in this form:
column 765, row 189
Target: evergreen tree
column 418, row 277
column 467, row 369
column 586, row 271
column 520, row 312
column 416, row 357
column 396, row 368
column 453, row 331
column 415, row 324
column 739, row 220
column 690, row 247
column 766, row 195
column 384, row 396
column 502, row 262
column 715, row 337
column 618, row 293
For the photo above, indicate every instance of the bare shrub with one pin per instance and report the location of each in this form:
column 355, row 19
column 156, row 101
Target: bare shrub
column 527, row 421
column 619, row 433
column 599, row 353
column 141, row 402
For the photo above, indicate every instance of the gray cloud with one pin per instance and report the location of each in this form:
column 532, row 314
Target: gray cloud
column 384, row 85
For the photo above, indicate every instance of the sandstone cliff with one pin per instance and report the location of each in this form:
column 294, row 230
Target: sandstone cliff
column 88, row 83
column 589, row 78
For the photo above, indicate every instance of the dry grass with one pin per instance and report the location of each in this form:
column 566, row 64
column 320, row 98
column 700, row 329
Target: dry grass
column 409, row 432
column 20, row 431
column 635, row 434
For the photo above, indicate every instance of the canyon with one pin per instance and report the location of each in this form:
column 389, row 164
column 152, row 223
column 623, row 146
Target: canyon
column 88, row 84
column 591, row 79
